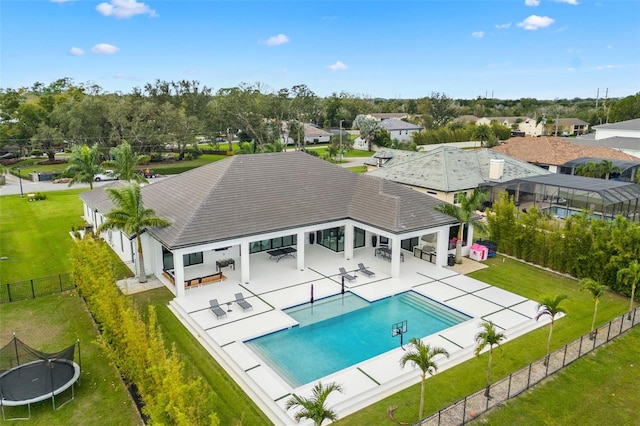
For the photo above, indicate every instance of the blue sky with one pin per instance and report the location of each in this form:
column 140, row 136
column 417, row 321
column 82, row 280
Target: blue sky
column 510, row 49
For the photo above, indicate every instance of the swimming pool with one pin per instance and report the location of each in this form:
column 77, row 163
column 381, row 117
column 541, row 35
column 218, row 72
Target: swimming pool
column 336, row 333
column 564, row 212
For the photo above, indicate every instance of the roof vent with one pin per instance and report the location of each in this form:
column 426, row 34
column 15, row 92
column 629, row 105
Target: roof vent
column 496, row 168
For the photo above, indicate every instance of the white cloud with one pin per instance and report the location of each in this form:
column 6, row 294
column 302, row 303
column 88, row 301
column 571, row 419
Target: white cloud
column 608, row 67
column 571, row 2
column 76, row 51
column 532, row 3
column 535, row 22
column 104, row 48
column 124, row 9
column 277, row 40
column 477, row 34
column 503, row 26
column 337, row 66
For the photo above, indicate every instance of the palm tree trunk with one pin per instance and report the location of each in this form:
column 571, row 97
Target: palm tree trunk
column 633, row 293
column 593, row 321
column 421, row 397
column 459, row 245
column 546, row 358
column 142, row 276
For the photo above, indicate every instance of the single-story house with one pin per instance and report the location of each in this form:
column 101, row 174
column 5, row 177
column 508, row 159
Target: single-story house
column 398, row 129
column 312, row 135
column 228, row 210
column 552, row 152
column 622, row 136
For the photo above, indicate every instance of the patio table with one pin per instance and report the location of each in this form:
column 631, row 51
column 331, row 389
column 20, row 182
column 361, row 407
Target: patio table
column 281, row 253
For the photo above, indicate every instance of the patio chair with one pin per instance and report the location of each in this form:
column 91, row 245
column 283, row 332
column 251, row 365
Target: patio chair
column 346, row 276
column 216, row 309
column 242, row 303
column 365, row 271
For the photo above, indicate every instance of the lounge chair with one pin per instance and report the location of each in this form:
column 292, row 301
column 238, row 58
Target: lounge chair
column 365, row 271
column 348, row 277
column 242, row 303
column 216, row 309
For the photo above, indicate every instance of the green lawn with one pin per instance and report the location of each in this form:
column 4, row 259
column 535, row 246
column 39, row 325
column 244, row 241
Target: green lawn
column 52, row 323
column 34, row 235
column 470, row 376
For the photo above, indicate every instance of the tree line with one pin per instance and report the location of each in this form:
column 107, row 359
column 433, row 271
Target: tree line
column 174, row 113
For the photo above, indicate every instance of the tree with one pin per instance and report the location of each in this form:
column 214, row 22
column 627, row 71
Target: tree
column 483, row 133
column 588, row 169
column 630, row 276
column 368, row 128
column 489, row 335
column 132, row 218
column 465, row 214
column 84, row 164
column 550, row 307
column 125, row 161
column 313, row 408
column 606, row 168
column 625, row 109
column 423, row 356
column 597, row 290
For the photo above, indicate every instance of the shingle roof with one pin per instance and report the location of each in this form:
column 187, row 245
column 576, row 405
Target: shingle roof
column 555, row 151
column 393, row 124
column 253, row 194
column 622, row 125
column 449, row 169
column 615, row 142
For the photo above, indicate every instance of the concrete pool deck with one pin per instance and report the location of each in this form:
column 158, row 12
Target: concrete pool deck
column 278, row 285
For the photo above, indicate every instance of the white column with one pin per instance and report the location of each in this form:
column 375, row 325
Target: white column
column 348, row 241
column 244, row 262
column 395, row 257
column 469, row 235
column 302, row 242
column 178, row 273
column 443, row 247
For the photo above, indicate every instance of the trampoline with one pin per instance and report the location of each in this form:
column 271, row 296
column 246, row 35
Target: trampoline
column 28, row 376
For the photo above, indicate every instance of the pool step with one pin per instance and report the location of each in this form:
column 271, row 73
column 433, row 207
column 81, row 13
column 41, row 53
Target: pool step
column 432, row 308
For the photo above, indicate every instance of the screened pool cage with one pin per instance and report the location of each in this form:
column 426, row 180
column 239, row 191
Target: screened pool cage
column 562, row 196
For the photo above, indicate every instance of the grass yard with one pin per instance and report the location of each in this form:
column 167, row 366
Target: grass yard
column 470, row 376
column 52, row 323
column 34, row 235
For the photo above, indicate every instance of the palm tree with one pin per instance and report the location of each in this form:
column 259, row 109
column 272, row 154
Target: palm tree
column 125, row 161
column 597, row 290
column 465, row 214
column 132, row 218
column 630, row 276
column 606, row 168
column 489, row 335
column 550, row 306
column 422, row 356
column 483, row 133
column 84, row 164
column 588, row 169
column 368, row 128
column 313, row 408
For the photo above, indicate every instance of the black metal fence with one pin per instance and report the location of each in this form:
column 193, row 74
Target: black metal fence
column 36, row 287
column 465, row 410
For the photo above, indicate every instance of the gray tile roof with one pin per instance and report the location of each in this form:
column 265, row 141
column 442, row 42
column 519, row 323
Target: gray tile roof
column 393, row 124
column 253, row 194
column 450, row 169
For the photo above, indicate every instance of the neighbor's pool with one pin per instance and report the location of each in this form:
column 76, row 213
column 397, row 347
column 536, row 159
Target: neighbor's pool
column 334, row 333
column 565, row 212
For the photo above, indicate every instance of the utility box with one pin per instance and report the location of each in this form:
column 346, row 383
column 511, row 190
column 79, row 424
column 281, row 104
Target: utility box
column 478, row 252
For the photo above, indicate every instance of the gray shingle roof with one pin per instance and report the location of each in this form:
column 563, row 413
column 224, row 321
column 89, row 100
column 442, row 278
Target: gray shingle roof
column 393, row 124
column 450, row 169
column 615, row 142
column 622, row 125
column 253, row 194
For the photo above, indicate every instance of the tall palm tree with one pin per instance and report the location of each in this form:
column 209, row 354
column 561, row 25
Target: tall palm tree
column 489, row 335
column 422, row 356
column 84, row 164
column 597, row 290
column 588, row 169
column 368, row 128
column 313, row 408
column 132, row 218
column 465, row 214
column 606, row 168
column 483, row 133
column 630, row 276
column 125, row 161
column 550, row 306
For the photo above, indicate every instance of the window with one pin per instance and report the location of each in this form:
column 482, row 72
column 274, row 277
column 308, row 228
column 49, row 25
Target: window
column 192, row 259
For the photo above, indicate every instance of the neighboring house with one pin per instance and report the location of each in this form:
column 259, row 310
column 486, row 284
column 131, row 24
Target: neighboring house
column 525, row 125
column 623, row 136
column 472, row 119
column 380, row 116
column 552, row 153
column 312, row 135
column 398, row 129
column 445, row 171
column 249, row 204
column 626, row 170
column 568, row 127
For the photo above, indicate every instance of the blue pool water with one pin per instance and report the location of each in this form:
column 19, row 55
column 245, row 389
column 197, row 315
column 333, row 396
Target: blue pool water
column 338, row 334
column 564, row 212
